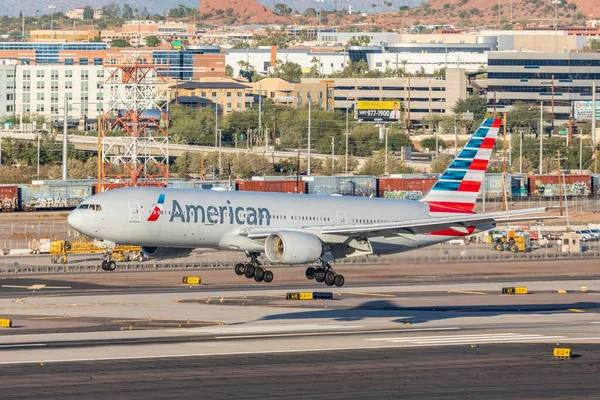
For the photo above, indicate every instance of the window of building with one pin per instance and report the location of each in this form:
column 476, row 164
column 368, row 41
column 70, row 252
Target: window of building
column 26, row 75
column 69, row 61
column 54, row 86
column 100, row 73
column 10, row 108
column 97, row 61
column 84, row 75
column 83, row 61
column 40, row 85
column 203, row 94
column 68, row 85
column 40, row 96
column 228, row 94
column 214, row 94
column 40, row 108
column 26, row 97
column 40, row 73
column 69, row 96
column 10, row 96
column 68, row 73
column 54, row 75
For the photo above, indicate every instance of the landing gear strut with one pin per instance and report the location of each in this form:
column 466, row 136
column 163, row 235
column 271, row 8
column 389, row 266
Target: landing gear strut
column 325, row 274
column 254, row 269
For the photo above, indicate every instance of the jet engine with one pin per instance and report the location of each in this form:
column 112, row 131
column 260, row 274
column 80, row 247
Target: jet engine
column 289, row 247
column 166, row 252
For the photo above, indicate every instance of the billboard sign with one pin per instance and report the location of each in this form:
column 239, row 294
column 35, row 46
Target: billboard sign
column 582, row 110
column 379, row 111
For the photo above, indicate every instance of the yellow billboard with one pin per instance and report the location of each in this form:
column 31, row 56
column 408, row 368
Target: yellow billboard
column 379, row 111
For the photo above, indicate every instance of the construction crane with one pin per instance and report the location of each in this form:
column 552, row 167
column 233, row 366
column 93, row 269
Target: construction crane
column 60, row 249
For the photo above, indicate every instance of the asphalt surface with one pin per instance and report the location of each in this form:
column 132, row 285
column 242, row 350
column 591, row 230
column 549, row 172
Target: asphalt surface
column 484, row 372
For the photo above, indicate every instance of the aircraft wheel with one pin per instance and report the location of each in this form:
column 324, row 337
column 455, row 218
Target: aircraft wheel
column 111, row 266
column 310, row 273
column 239, row 269
column 330, row 278
column 104, row 265
column 259, row 274
column 320, row 275
column 268, row 276
column 249, row 271
column 339, row 280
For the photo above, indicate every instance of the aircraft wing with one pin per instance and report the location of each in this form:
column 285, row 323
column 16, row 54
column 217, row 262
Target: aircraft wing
column 459, row 223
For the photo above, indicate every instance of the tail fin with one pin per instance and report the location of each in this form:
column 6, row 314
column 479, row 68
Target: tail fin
column 456, row 189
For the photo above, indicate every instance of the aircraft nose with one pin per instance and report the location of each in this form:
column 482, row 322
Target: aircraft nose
column 75, row 220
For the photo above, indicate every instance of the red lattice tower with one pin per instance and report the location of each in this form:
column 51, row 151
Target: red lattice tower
column 134, row 135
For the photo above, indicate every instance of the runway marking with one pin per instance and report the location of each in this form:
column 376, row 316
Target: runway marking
column 576, row 310
column 467, row 339
column 57, row 317
column 239, row 353
column 36, row 286
column 333, row 333
column 373, row 294
column 465, row 292
column 5, row 346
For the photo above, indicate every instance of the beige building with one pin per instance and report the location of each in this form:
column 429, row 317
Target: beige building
column 77, row 13
column 294, row 94
column 226, row 94
column 419, row 97
column 60, row 35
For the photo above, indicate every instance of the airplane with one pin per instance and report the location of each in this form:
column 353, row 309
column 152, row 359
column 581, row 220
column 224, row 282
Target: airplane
column 292, row 229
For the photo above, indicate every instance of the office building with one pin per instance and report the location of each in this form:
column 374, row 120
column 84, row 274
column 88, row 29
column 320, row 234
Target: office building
column 556, row 79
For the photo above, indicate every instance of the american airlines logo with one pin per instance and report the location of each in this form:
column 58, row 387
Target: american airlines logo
column 226, row 214
column 157, row 210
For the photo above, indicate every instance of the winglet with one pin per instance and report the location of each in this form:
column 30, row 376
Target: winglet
column 456, row 189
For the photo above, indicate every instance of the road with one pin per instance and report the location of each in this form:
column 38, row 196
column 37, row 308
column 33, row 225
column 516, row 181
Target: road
column 76, row 336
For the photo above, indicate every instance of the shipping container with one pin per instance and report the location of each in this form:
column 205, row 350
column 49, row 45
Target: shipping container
column 271, row 186
column 548, row 185
column 519, row 186
column 363, row 186
column 9, row 198
column 404, row 188
column 495, row 186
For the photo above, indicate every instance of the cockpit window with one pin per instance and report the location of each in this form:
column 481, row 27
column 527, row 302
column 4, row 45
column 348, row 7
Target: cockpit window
column 95, row 207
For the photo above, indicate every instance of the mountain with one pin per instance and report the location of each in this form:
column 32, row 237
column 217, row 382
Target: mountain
column 11, row 8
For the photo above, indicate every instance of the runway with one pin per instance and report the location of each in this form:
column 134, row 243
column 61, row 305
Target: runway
column 441, row 340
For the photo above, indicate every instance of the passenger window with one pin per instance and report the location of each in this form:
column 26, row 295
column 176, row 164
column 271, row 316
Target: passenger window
column 83, row 207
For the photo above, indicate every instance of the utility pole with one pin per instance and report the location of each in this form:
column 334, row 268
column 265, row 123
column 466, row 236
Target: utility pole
column 260, row 111
column 346, row 168
column 504, row 168
column 38, row 155
column 594, row 116
column 308, row 160
column 65, row 159
column 455, row 138
column 559, row 183
column 541, row 133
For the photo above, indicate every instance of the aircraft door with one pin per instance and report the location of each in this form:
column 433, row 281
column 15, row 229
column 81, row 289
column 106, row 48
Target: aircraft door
column 341, row 217
column 134, row 211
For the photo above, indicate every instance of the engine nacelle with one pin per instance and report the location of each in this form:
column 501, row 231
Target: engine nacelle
column 166, row 252
column 289, row 247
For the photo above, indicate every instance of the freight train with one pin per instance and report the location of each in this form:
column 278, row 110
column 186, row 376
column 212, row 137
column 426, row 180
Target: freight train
column 58, row 195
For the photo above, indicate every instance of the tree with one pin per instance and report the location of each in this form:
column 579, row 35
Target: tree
column 127, row 11
column 282, row 9
column 525, row 115
column 229, row 71
column 473, row 104
column 119, row 43
column 375, row 165
column 593, row 45
column 440, row 164
column 88, row 13
column 359, row 41
column 288, row 71
column 310, row 12
column 152, row 41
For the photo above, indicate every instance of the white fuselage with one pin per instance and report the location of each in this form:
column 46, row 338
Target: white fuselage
column 218, row 219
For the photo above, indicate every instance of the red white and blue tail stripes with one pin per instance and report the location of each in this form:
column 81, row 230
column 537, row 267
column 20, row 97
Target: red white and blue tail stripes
column 457, row 188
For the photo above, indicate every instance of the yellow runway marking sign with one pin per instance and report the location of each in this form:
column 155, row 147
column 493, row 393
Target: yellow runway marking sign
column 5, row 323
column 191, row 280
column 514, row 290
column 562, row 352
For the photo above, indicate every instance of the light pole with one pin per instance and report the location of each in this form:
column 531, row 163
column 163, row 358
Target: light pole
column 332, row 155
column 52, row 7
column 386, row 152
column 308, row 158
column 520, row 151
column 220, row 137
column 541, row 133
column 580, row 151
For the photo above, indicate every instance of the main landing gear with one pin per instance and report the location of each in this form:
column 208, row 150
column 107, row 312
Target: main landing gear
column 254, row 269
column 325, row 274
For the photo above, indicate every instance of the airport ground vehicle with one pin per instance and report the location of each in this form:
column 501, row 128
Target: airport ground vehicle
column 585, row 235
column 510, row 240
column 60, row 249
